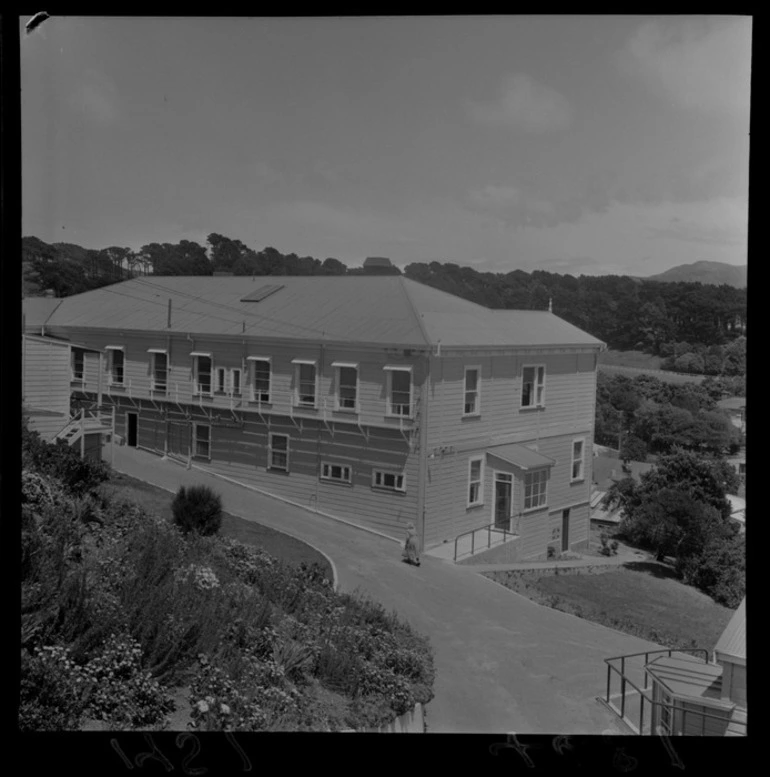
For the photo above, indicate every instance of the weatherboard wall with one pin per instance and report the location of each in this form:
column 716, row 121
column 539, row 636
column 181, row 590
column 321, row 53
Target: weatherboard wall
column 240, row 451
column 570, row 387
column 448, row 513
column 46, row 385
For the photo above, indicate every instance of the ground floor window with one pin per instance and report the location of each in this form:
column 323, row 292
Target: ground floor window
column 535, row 489
column 475, row 478
column 339, row 472
column 390, row 481
column 202, row 437
column 278, row 454
column 78, row 364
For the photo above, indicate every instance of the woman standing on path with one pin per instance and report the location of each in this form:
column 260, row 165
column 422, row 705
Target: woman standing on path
column 411, row 553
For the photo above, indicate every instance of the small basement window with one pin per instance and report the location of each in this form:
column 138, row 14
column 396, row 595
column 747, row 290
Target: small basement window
column 389, row 481
column 338, row 472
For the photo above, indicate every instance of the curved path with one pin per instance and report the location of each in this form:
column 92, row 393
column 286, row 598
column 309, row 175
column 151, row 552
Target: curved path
column 503, row 663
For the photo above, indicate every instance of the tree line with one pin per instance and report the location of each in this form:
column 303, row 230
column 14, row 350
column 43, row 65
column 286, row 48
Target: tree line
column 687, row 323
column 644, row 415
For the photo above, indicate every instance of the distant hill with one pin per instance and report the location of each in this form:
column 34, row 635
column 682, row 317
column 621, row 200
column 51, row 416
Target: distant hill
column 705, row 272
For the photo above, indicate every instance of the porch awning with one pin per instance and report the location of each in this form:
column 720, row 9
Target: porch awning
column 520, row 456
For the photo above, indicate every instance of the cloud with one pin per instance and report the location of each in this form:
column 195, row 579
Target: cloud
column 525, row 105
column 510, row 204
column 702, row 64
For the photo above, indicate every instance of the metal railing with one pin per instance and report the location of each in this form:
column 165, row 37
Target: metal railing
column 490, row 527
column 644, row 696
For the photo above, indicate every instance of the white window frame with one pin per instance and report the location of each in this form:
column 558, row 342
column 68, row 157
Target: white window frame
column 298, row 364
column 231, row 386
column 544, row 495
column 196, row 454
column 220, row 380
column 196, row 357
column 390, row 369
column 74, row 377
column 380, row 475
column 111, row 350
column 582, row 475
column 538, row 387
column 154, row 353
column 477, row 405
column 345, row 474
column 479, row 482
column 338, row 367
column 264, row 397
column 271, row 450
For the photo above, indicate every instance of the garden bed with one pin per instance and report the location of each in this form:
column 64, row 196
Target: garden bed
column 639, row 598
column 133, row 621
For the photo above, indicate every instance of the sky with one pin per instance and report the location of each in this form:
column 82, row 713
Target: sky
column 572, row 144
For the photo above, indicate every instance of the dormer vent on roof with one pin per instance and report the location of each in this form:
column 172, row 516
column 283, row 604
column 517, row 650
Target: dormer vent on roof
column 262, row 292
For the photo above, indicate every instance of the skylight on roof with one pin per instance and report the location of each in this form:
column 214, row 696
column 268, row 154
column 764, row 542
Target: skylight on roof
column 261, row 292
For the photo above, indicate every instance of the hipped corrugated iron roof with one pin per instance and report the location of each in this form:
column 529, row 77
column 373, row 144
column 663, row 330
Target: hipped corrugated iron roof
column 37, row 310
column 366, row 309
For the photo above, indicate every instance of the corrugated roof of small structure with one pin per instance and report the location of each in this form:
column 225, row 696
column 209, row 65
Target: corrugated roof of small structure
column 520, row 456
column 732, row 403
column 365, row 309
column 688, row 676
column 732, row 643
column 37, row 310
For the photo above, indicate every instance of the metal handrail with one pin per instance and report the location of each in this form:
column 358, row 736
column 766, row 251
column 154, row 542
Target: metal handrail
column 280, row 402
column 488, row 527
column 644, row 695
column 647, row 653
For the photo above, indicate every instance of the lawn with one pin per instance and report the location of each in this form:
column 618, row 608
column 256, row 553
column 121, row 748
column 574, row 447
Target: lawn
column 630, row 359
column 640, row 598
column 276, row 543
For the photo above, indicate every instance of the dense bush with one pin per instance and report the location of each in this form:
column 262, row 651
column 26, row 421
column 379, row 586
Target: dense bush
column 719, row 570
column 78, row 475
column 197, row 509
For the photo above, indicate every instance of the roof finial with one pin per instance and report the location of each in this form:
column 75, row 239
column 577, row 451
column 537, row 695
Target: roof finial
column 550, row 304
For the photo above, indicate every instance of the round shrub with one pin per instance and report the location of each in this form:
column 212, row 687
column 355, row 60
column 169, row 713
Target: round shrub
column 197, row 509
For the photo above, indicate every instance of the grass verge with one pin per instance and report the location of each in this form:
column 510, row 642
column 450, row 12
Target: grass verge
column 277, row 544
column 640, row 598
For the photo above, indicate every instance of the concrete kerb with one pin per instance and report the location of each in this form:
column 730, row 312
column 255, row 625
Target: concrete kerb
column 335, row 575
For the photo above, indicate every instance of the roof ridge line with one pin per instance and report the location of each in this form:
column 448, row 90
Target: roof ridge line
column 414, row 310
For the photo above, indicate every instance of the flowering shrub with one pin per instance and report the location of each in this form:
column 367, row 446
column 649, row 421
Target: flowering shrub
column 49, row 699
column 118, row 689
column 256, row 701
column 203, row 578
column 40, row 490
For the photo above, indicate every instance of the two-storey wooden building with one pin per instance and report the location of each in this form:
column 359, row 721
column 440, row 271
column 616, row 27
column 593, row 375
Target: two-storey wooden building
column 375, row 399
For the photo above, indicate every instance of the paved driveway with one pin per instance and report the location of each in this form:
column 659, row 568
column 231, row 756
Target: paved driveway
column 504, row 664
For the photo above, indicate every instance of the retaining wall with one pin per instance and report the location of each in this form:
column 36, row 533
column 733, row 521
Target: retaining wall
column 412, row 722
